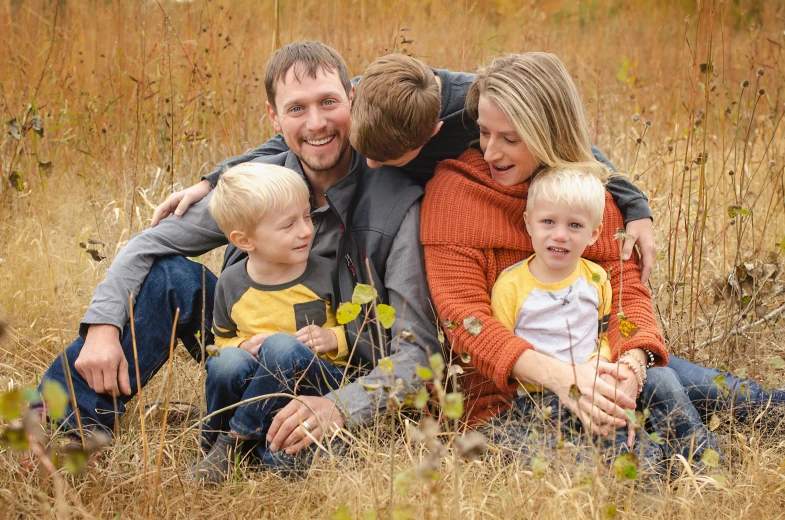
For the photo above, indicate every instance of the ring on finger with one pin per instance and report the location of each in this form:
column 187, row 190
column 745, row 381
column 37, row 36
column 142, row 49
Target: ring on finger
column 306, row 426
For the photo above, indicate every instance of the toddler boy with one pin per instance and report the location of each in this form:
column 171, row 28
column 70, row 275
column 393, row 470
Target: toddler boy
column 264, row 210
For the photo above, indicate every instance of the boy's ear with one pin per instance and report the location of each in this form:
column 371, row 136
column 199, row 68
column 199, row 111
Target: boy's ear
column 351, row 94
column 595, row 234
column 273, row 117
column 526, row 221
column 437, row 128
column 241, row 241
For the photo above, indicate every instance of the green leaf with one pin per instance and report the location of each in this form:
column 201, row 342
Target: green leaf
column 472, row 325
column 539, row 467
column 609, row 512
column 574, row 392
column 213, row 350
column 56, row 399
column 734, row 210
column 370, row 514
column 370, row 387
column 401, row 513
column 440, row 336
column 630, row 414
column 595, row 277
column 720, row 480
column 15, row 179
column 449, row 324
column 453, row 405
column 75, row 461
column 15, row 439
column 625, row 467
column 777, row 362
column 436, row 362
column 341, row 514
column 363, row 294
column 465, row 357
column 386, row 315
column 402, row 480
column 424, row 373
column 627, row 327
column 386, row 365
column 782, row 244
column 714, row 422
column 421, row 398
column 722, row 384
column 11, row 404
column 656, row 439
column 347, row 311
column 710, row 457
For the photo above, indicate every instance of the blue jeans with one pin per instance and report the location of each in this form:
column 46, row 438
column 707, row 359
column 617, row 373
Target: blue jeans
column 284, row 365
column 673, row 417
column 713, row 391
column 173, row 283
column 537, row 426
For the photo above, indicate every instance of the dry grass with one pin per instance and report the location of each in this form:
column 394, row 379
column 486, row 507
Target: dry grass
column 140, row 97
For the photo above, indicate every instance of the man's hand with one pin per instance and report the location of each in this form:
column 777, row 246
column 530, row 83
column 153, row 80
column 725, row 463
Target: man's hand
column 180, row 201
column 102, row 362
column 288, row 430
column 317, row 339
column 642, row 233
column 252, row 345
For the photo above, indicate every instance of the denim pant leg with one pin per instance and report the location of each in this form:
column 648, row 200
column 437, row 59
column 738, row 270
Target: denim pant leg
column 538, row 426
column 228, row 376
column 285, row 366
column 173, row 282
column 711, row 390
column 673, row 416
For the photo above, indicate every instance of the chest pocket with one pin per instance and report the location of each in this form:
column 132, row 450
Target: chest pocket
column 310, row 313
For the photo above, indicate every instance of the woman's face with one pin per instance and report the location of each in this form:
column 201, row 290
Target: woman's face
column 510, row 160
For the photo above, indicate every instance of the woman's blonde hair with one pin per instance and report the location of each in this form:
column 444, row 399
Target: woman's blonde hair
column 541, row 101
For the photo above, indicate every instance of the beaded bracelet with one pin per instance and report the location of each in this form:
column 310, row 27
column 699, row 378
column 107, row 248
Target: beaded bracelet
column 650, row 356
column 635, row 370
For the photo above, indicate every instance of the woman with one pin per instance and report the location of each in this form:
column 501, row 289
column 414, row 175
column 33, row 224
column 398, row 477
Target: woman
column 530, row 117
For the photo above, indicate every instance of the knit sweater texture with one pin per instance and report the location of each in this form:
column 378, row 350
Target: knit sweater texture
column 472, row 229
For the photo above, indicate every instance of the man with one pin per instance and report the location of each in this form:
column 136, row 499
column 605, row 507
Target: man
column 366, row 220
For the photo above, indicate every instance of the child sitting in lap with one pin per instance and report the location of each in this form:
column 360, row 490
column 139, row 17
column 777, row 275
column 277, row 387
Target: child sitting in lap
column 561, row 303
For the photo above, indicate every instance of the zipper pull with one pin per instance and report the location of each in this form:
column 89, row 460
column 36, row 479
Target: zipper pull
column 350, row 264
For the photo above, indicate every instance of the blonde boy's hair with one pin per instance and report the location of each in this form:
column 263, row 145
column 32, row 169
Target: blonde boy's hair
column 395, row 108
column 573, row 187
column 540, row 100
column 247, row 191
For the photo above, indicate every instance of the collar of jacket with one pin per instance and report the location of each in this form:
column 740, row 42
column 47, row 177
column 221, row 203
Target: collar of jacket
column 341, row 193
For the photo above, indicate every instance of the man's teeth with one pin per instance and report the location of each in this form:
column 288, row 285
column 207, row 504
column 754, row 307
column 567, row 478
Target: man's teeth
column 319, row 142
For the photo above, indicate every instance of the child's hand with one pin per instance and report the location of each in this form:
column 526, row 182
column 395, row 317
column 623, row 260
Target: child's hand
column 252, row 345
column 317, row 339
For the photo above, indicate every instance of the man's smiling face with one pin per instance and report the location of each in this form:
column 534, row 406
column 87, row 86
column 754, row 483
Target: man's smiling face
column 313, row 116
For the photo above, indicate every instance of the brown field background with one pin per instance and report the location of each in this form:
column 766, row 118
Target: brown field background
column 139, row 98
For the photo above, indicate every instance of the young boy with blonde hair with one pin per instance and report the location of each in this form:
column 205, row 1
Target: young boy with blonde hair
column 265, row 210
column 556, row 300
column 561, row 303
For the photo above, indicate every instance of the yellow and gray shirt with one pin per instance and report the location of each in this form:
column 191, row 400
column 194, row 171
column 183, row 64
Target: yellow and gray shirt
column 244, row 308
column 565, row 320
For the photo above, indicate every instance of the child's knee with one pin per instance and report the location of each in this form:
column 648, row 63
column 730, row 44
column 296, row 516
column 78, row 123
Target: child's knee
column 231, row 363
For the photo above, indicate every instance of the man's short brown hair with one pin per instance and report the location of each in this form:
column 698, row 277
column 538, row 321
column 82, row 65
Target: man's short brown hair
column 307, row 58
column 395, row 109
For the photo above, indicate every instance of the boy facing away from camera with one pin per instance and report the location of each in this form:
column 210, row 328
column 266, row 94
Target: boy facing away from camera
column 561, row 303
column 279, row 298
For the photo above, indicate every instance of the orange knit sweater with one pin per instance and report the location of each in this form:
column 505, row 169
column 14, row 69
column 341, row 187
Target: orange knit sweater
column 472, row 229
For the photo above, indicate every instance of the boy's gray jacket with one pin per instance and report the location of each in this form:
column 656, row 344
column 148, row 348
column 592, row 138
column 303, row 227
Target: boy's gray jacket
column 379, row 213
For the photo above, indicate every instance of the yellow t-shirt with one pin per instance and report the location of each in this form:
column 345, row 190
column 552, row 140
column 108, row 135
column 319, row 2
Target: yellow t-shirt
column 565, row 320
column 244, row 308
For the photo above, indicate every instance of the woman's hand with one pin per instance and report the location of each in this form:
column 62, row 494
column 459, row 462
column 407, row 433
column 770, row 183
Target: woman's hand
column 180, row 201
column 596, row 403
